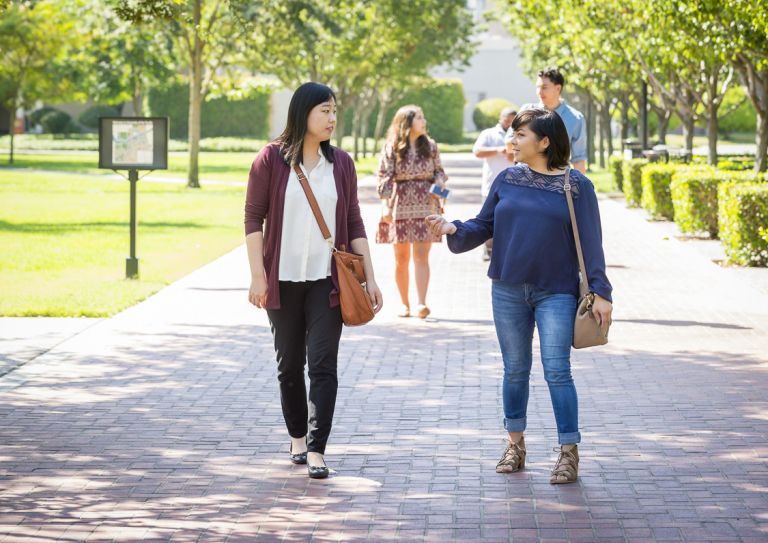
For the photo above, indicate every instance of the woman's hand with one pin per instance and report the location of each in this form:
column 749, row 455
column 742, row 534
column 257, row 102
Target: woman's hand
column 386, row 211
column 375, row 294
column 257, row 294
column 439, row 226
column 602, row 309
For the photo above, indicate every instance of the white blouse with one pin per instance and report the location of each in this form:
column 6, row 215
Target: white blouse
column 304, row 254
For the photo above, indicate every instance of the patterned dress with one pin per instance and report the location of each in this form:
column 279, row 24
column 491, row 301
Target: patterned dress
column 406, row 184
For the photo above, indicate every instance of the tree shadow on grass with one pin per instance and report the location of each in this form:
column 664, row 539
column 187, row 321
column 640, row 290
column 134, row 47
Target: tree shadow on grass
column 59, row 227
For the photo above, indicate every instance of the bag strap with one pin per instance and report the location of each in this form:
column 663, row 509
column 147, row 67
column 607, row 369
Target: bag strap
column 314, row 205
column 584, row 283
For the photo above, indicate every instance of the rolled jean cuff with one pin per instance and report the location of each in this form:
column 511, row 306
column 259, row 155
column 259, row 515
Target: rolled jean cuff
column 514, row 425
column 569, row 439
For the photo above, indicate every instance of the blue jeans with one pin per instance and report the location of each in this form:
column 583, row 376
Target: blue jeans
column 516, row 308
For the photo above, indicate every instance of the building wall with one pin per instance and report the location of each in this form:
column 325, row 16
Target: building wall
column 495, row 71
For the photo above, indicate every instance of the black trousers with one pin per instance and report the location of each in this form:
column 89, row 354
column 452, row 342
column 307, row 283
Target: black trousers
column 307, row 331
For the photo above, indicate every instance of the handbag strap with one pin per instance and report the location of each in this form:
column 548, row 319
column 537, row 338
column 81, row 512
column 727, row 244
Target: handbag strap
column 314, row 205
column 584, row 283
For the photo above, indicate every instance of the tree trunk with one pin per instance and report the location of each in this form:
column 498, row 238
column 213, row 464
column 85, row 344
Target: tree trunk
column 624, row 119
column 663, row 126
column 365, row 126
column 195, row 102
column 138, row 103
column 590, row 130
column 356, row 133
column 341, row 113
column 712, row 125
column 688, row 126
column 761, row 139
column 379, row 124
column 608, row 128
column 756, row 84
column 11, row 131
column 601, row 137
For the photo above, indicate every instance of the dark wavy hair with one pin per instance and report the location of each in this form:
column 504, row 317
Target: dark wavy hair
column 400, row 131
column 304, row 99
column 547, row 124
column 554, row 75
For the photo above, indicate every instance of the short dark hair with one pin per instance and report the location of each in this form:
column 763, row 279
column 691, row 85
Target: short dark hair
column 304, row 99
column 554, row 75
column 549, row 124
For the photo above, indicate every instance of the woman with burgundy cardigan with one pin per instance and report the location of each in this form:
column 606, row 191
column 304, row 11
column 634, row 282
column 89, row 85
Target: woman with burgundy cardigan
column 293, row 275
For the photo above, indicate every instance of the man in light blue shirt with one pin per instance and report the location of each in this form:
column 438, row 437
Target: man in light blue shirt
column 549, row 85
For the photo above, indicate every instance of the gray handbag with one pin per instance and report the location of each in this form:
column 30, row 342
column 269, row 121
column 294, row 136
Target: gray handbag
column 586, row 330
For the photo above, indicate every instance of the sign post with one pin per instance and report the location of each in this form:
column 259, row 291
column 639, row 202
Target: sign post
column 133, row 143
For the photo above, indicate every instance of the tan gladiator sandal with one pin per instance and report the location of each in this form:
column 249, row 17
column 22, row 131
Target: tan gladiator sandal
column 567, row 466
column 513, row 458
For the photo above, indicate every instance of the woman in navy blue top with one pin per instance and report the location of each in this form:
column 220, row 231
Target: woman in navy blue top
column 535, row 276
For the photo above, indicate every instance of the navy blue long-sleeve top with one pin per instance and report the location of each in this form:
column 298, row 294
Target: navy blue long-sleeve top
column 527, row 216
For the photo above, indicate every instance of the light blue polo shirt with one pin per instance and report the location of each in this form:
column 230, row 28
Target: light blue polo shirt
column 575, row 124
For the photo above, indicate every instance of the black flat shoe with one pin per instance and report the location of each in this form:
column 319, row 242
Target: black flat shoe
column 298, row 458
column 318, row 472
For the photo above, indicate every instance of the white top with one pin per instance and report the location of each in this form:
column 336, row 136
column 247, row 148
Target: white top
column 494, row 165
column 304, row 254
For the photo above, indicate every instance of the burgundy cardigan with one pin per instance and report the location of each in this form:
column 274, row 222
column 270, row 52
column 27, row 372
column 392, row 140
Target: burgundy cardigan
column 265, row 200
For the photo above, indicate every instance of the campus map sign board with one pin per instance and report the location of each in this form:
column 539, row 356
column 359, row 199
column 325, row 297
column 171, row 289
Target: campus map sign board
column 133, row 143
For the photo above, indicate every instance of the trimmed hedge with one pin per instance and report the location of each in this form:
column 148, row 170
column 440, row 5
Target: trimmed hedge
column 743, row 218
column 616, row 166
column 442, row 101
column 656, row 198
column 443, row 104
column 695, row 197
column 248, row 117
column 736, row 163
column 632, row 184
column 486, row 113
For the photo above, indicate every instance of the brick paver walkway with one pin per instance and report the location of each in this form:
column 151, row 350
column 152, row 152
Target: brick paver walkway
column 163, row 423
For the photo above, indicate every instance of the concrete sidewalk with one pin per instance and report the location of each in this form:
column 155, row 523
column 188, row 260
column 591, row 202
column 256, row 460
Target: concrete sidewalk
column 163, row 423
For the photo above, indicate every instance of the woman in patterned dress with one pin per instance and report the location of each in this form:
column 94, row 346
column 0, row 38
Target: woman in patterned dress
column 409, row 165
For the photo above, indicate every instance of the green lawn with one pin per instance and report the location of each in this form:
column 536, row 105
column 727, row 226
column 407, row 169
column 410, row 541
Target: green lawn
column 218, row 166
column 601, row 178
column 64, row 240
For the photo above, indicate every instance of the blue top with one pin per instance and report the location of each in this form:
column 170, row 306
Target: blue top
column 526, row 214
column 575, row 125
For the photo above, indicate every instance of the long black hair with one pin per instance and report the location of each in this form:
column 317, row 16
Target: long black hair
column 304, row 99
column 549, row 124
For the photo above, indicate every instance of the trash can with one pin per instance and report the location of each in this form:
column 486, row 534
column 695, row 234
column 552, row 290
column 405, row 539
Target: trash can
column 632, row 149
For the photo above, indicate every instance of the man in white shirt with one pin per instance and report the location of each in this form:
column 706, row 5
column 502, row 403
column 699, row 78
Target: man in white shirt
column 491, row 148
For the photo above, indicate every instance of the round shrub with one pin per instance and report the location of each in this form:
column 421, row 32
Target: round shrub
column 38, row 114
column 486, row 112
column 57, row 122
column 90, row 117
